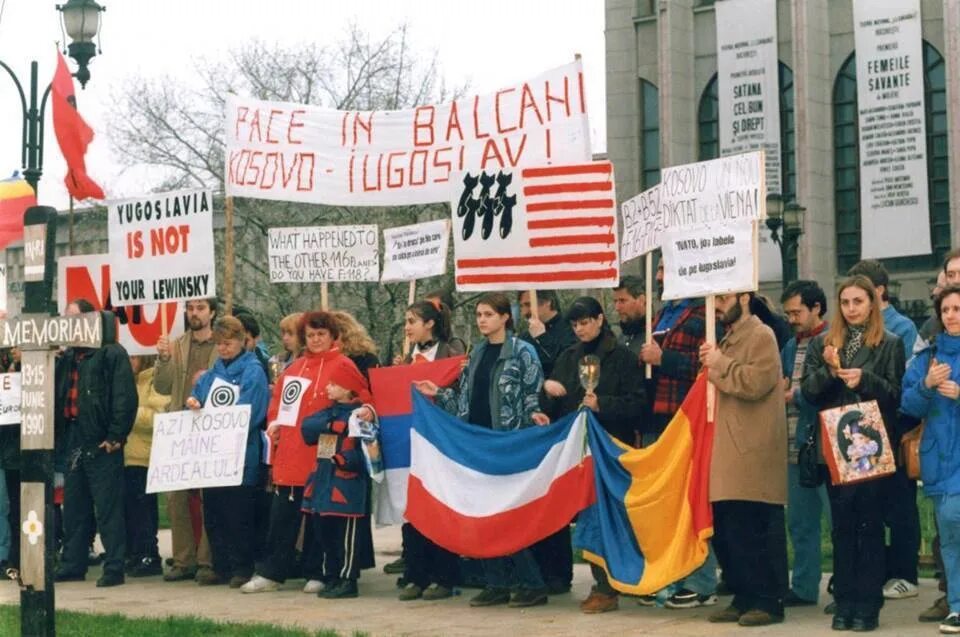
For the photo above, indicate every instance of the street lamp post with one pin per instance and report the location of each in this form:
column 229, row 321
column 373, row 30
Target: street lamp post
column 81, row 22
column 786, row 226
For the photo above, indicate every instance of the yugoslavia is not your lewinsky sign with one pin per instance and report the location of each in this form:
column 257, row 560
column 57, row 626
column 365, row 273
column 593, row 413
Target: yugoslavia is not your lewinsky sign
column 161, row 248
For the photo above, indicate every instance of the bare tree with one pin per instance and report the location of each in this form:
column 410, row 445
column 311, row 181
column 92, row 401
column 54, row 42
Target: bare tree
column 177, row 129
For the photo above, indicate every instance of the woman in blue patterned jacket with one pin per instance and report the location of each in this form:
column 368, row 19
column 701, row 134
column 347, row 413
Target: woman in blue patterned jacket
column 499, row 389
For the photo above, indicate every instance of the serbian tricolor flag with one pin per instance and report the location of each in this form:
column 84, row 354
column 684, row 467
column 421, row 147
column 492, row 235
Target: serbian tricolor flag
column 652, row 518
column 391, row 387
column 484, row 493
column 73, row 135
column 16, row 196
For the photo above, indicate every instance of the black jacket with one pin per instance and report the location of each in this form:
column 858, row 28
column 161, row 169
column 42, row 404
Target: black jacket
column 549, row 345
column 107, row 401
column 620, row 391
column 883, row 369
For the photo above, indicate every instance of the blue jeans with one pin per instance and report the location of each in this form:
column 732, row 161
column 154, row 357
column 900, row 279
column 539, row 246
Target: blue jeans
column 704, row 579
column 515, row 572
column 4, row 518
column 804, row 507
column 947, row 510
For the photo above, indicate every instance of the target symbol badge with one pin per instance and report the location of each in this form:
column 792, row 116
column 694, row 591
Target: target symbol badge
column 291, row 392
column 223, row 396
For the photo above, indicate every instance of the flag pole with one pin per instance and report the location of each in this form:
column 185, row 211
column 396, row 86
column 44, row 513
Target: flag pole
column 711, row 310
column 411, row 297
column 228, row 252
column 70, row 225
column 648, row 310
column 534, row 305
column 324, row 296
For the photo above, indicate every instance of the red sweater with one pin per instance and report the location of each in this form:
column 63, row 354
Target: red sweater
column 293, row 459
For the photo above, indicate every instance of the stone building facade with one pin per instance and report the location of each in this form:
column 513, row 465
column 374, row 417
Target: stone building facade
column 662, row 110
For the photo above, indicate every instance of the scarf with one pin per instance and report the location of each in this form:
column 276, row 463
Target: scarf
column 855, row 334
column 802, row 336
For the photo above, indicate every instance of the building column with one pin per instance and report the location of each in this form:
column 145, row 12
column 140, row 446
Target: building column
column 813, row 91
column 951, row 36
column 678, row 103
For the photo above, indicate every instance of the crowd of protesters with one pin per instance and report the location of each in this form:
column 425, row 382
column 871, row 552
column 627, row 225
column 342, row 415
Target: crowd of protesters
column 303, row 508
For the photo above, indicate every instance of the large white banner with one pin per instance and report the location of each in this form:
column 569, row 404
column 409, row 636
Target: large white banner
column 198, row 449
column 298, row 152
column 894, row 207
column 161, row 247
column 748, row 87
column 87, row 276
column 328, row 253
column 710, row 210
column 415, row 252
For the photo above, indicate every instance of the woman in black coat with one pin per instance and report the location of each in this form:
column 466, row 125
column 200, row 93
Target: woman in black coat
column 616, row 402
column 856, row 361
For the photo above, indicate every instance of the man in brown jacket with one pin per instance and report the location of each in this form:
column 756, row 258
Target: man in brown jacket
column 178, row 366
column 748, row 471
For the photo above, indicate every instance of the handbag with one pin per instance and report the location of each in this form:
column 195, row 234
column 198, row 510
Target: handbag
column 808, row 462
column 910, row 451
column 855, row 443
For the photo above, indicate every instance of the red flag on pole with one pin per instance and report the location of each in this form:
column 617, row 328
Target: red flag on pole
column 73, row 135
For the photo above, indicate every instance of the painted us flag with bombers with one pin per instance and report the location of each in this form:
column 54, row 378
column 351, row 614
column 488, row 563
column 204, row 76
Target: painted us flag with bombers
column 535, row 227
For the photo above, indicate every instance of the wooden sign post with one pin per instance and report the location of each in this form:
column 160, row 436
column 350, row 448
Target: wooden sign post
column 38, row 335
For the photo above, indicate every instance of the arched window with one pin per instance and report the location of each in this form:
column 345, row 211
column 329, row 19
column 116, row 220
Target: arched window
column 649, row 135
column 846, row 163
column 708, row 119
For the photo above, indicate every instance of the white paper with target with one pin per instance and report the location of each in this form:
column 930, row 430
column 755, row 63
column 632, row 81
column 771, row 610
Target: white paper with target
column 294, row 387
column 222, row 394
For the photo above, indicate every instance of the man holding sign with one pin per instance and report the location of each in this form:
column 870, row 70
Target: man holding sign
column 96, row 404
column 178, row 367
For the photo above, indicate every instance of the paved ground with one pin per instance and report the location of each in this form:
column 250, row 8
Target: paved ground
column 377, row 611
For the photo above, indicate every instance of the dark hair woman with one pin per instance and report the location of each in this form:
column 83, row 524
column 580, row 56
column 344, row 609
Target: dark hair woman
column 617, row 402
column 856, row 360
column 931, row 389
column 498, row 389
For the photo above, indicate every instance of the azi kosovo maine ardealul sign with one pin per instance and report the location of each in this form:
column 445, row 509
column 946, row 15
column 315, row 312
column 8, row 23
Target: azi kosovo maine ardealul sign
column 36, row 332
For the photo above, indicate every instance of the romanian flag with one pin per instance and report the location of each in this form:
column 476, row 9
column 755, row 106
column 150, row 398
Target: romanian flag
column 391, row 387
column 16, row 196
column 652, row 518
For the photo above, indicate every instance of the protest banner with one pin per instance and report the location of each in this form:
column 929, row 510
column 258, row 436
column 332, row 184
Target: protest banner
column 552, row 226
column 139, row 327
column 415, row 252
column 10, row 399
column 710, row 215
column 324, row 253
column 894, row 195
column 298, row 152
column 161, row 248
column 748, row 87
column 198, row 449
column 642, row 224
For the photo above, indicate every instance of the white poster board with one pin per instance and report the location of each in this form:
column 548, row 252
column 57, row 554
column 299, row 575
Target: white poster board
column 710, row 211
column 328, row 253
column 298, row 152
column 537, row 227
column 161, row 248
column 198, row 449
column 87, row 276
column 748, row 87
column 415, row 252
column 642, row 224
column 894, row 196
column 10, row 399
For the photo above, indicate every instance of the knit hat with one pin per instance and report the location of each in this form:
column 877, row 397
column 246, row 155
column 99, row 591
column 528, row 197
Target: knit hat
column 346, row 375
